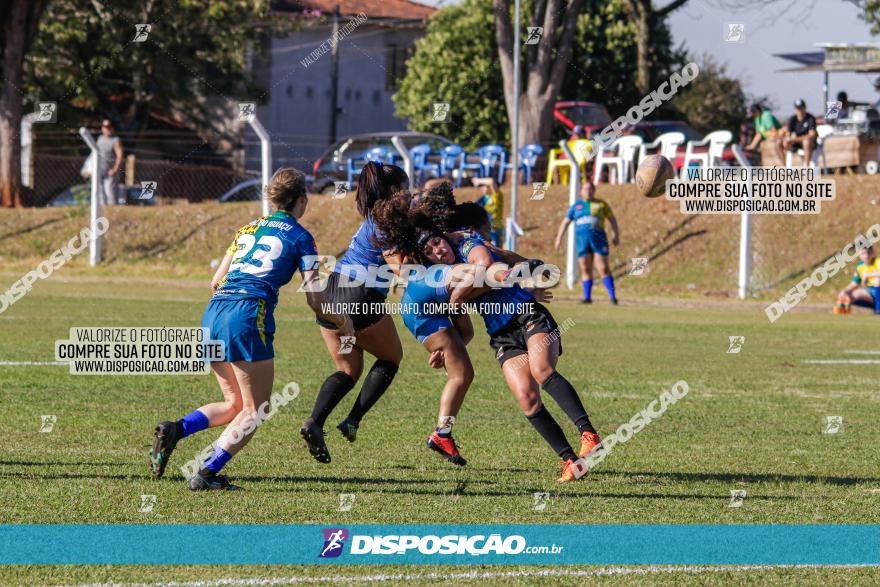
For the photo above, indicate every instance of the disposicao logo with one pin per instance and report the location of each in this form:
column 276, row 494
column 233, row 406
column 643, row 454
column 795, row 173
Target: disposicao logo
column 334, row 540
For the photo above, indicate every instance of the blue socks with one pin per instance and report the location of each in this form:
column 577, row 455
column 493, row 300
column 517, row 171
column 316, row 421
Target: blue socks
column 608, row 282
column 587, row 284
column 217, row 460
column 193, row 422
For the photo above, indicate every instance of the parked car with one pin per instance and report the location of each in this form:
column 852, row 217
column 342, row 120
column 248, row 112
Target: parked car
column 331, row 166
column 591, row 116
column 80, row 195
column 249, row 190
column 649, row 131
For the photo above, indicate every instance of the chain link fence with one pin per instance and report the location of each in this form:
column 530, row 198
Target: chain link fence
column 158, row 170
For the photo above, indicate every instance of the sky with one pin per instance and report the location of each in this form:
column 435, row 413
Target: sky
column 785, row 26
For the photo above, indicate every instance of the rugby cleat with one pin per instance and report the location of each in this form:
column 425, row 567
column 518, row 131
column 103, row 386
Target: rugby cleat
column 164, row 440
column 314, row 437
column 572, row 470
column 210, row 481
column 445, row 447
column 349, row 429
column 589, row 441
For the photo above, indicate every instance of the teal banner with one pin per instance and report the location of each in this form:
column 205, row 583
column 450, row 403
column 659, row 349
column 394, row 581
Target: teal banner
column 440, row 544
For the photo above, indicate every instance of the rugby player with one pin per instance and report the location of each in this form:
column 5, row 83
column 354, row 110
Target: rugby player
column 374, row 333
column 864, row 289
column 589, row 214
column 525, row 337
column 262, row 258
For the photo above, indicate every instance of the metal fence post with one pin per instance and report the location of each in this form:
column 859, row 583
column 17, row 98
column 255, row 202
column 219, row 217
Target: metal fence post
column 574, row 186
column 265, row 156
column 95, row 240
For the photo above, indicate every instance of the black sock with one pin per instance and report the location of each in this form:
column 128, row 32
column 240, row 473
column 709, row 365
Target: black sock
column 375, row 383
column 552, row 433
column 332, row 391
column 562, row 391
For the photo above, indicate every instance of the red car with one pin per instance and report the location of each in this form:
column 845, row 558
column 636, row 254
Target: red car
column 588, row 115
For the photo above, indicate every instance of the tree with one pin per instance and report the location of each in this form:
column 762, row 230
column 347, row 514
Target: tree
column 86, row 55
column 604, row 55
column 546, row 63
column 712, row 101
column 645, row 18
column 20, row 19
column 456, row 62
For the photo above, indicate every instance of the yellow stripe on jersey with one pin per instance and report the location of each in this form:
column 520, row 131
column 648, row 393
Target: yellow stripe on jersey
column 246, row 229
column 601, row 210
column 864, row 269
column 261, row 319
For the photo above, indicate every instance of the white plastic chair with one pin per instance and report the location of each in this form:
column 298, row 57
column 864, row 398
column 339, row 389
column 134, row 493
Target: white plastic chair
column 667, row 145
column 717, row 141
column 622, row 163
column 822, row 131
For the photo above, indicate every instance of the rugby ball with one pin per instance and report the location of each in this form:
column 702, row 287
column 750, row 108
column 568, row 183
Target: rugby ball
column 652, row 175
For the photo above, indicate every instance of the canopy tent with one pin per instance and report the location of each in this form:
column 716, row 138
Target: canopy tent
column 849, row 57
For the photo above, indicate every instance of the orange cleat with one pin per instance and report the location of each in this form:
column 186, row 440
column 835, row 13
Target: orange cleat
column 572, row 470
column 445, row 446
column 589, row 441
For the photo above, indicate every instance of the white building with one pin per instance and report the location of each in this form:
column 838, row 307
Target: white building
column 376, row 38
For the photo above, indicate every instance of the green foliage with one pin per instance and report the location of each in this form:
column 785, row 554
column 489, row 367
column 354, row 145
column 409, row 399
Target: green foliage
column 84, row 57
column 457, row 62
column 603, row 67
column 712, row 101
column 870, row 13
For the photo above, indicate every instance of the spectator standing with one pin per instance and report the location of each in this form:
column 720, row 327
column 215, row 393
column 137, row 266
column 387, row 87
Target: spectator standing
column 493, row 201
column 845, row 111
column 110, row 157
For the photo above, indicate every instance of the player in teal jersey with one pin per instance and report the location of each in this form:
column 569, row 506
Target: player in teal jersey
column 591, row 243
column 262, row 258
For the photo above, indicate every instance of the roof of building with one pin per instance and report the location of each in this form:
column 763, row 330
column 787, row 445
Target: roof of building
column 391, row 9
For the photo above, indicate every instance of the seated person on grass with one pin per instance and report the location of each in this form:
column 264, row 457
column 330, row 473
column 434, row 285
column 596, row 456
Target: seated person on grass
column 864, row 289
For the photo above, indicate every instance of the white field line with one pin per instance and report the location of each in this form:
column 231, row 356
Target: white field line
column 476, row 575
column 30, row 363
column 857, row 352
column 845, row 362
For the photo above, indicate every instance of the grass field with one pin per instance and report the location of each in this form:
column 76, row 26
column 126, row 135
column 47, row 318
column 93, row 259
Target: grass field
column 752, row 421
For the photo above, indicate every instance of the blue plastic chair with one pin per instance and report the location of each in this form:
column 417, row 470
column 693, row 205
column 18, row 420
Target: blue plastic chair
column 421, row 165
column 489, row 156
column 528, row 155
column 355, row 164
column 451, row 158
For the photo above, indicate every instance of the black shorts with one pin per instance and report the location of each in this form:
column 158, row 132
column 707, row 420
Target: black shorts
column 364, row 305
column 511, row 340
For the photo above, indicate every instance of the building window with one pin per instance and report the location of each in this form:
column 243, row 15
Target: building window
column 395, row 65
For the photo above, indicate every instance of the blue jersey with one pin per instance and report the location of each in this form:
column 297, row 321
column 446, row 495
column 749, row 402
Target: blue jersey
column 265, row 255
column 510, row 301
column 362, row 254
column 417, row 299
column 589, row 216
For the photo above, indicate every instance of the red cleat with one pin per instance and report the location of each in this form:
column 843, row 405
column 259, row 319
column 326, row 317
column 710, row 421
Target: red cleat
column 445, row 446
column 589, row 441
column 572, row 470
